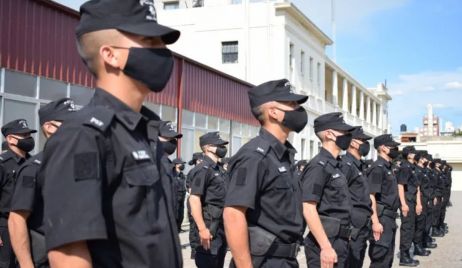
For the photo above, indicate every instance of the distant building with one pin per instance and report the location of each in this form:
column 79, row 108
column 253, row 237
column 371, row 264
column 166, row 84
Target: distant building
column 431, row 123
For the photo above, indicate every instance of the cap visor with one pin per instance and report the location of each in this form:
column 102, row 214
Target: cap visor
column 221, row 142
column 343, row 127
column 293, row 97
column 151, row 29
column 392, row 144
column 23, row 131
column 362, row 137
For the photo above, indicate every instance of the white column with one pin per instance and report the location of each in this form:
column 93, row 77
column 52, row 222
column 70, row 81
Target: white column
column 368, row 113
column 345, row 95
column 334, row 88
column 353, row 101
column 361, row 105
column 381, row 126
column 374, row 113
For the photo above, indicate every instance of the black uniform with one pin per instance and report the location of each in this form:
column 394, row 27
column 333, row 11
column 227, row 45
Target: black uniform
column 180, row 191
column 324, row 183
column 361, row 212
column 209, row 184
column 194, row 240
column 439, row 195
column 9, row 165
column 427, row 189
column 382, row 183
column 105, row 184
column 262, row 180
column 28, row 197
column 419, row 235
column 406, row 177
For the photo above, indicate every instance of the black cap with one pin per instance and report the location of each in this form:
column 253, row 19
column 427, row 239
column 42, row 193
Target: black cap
column 177, row 161
column 333, row 121
column 277, row 90
column 57, row 110
column 18, row 126
column 166, row 130
column 132, row 16
column 195, row 157
column 408, row 150
column 385, row 139
column 429, row 157
column 212, row 138
column 358, row 134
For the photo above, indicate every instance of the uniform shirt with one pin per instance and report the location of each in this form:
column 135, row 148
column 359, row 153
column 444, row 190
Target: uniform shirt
column 359, row 189
column 439, row 183
column 27, row 194
column 261, row 180
column 424, row 180
column 9, row 165
column 406, row 177
column 324, row 183
column 382, row 183
column 104, row 183
column 180, row 182
column 209, row 183
column 191, row 175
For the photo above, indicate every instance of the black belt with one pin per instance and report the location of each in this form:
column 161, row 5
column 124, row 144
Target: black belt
column 345, row 232
column 283, row 250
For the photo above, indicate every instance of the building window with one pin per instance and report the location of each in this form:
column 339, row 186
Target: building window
column 311, row 149
column 171, row 5
column 318, row 73
column 303, row 148
column 230, row 51
column 291, row 56
column 311, row 68
column 302, row 63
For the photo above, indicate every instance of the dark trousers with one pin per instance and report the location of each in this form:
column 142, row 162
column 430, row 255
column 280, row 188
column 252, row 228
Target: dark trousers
column 444, row 205
column 407, row 228
column 429, row 217
column 180, row 209
column 381, row 252
column 7, row 258
column 436, row 213
column 270, row 262
column 313, row 251
column 420, row 221
column 214, row 257
column 193, row 239
column 358, row 245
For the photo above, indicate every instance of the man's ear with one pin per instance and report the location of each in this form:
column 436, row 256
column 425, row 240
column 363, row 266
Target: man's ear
column 11, row 140
column 110, row 56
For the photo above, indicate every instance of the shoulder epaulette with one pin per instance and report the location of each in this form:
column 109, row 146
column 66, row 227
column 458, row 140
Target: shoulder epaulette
column 99, row 118
column 262, row 148
column 4, row 157
column 38, row 162
column 322, row 163
column 205, row 167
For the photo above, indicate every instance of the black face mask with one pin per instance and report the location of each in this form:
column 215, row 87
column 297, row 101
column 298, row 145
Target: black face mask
column 343, row 142
column 364, row 148
column 151, row 66
column 26, row 144
column 170, row 146
column 221, row 151
column 394, row 152
column 295, row 120
column 432, row 165
column 182, row 167
column 425, row 164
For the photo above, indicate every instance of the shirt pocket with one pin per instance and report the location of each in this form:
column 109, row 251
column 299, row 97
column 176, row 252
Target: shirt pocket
column 339, row 186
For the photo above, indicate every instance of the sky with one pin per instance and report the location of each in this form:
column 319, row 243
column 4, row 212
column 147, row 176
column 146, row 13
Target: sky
column 413, row 45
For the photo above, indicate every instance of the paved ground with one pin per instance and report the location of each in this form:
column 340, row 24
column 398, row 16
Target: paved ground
column 448, row 254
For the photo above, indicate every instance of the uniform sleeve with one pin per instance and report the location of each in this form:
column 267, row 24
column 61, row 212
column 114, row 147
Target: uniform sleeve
column 313, row 182
column 243, row 188
column 404, row 173
column 199, row 181
column 375, row 178
column 24, row 190
column 72, row 171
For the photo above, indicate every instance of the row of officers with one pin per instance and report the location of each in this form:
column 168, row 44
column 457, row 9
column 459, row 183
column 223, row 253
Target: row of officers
column 103, row 192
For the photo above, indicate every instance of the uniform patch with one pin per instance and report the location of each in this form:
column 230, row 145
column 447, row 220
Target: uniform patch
column 317, row 189
column 376, row 180
column 28, row 182
column 140, row 155
column 241, row 177
column 282, row 169
column 197, row 182
column 86, row 166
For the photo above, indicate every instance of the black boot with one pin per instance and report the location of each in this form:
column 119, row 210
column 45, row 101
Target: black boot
column 436, row 232
column 419, row 251
column 429, row 245
column 406, row 260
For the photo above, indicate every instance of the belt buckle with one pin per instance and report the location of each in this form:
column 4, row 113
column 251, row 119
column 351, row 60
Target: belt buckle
column 295, row 251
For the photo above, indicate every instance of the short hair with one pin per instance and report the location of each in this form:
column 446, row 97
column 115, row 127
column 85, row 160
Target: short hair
column 320, row 135
column 258, row 113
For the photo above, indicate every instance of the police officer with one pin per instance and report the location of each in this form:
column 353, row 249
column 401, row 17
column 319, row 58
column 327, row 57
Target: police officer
column 180, row 186
column 263, row 214
column 352, row 168
column 26, row 216
column 207, row 199
column 20, row 143
column 385, row 202
column 447, row 181
column 196, row 160
column 427, row 201
column 108, row 200
column 410, row 205
column 438, row 193
column 326, row 198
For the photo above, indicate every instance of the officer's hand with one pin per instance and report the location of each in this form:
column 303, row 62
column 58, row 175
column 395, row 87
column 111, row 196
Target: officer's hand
column 404, row 210
column 418, row 209
column 435, row 201
column 206, row 237
column 1, row 242
column 328, row 257
column 377, row 230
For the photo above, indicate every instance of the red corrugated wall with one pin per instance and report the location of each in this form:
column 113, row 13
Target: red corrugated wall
column 37, row 37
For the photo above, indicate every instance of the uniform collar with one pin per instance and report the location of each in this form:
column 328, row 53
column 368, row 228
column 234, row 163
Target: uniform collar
column 10, row 154
column 381, row 160
column 353, row 159
column 124, row 114
column 279, row 148
column 209, row 162
column 329, row 157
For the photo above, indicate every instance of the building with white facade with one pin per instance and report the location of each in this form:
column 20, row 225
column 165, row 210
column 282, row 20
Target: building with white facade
column 431, row 123
column 261, row 40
